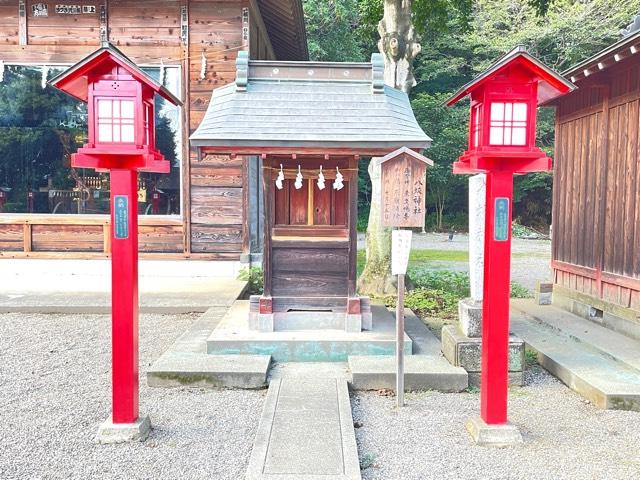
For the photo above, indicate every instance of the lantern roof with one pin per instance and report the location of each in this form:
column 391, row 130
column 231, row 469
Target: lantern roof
column 307, row 107
column 74, row 80
column 550, row 83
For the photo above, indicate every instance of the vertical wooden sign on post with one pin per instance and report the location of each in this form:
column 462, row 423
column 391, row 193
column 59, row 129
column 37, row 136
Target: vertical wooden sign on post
column 404, row 185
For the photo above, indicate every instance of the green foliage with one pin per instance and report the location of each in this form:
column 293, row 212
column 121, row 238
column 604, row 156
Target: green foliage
column 456, row 283
column 518, row 291
column 530, row 358
column 255, row 279
column 330, row 25
column 426, row 302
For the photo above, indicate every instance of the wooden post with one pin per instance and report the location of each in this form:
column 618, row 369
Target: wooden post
column 495, row 305
column 400, row 342
column 268, row 223
column 124, row 294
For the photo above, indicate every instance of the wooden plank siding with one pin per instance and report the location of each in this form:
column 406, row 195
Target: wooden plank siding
column 596, row 209
column 213, row 224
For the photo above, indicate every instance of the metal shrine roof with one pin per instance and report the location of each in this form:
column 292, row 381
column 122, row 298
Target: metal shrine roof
column 302, row 106
column 551, row 84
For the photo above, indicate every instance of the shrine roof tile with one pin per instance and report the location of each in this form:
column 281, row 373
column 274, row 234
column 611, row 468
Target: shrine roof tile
column 301, row 105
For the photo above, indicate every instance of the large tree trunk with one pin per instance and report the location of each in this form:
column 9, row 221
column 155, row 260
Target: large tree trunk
column 399, row 45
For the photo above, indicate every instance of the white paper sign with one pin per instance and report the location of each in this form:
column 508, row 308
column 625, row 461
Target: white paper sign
column 400, row 249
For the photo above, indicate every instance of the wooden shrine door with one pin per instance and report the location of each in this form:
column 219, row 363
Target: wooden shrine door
column 312, row 248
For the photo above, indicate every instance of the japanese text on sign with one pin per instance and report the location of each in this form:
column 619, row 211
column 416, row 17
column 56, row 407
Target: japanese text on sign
column 403, row 192
column 501, row 220
column 121, row 217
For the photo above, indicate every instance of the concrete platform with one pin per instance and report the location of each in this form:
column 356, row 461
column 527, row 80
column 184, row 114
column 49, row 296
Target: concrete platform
column 603, row 379
column 84, row 286
column 186, row 295
column 233, row 336
column 305, row 433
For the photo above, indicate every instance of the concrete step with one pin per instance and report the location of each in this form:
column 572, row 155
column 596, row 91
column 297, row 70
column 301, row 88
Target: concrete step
column 422, row 372
column 178, row 369
column 232, row 336
column 306, row 432
column 613, row 344
column 426, row 369
column 606, row 382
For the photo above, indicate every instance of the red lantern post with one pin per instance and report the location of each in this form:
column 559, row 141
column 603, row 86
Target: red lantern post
column 502, row 133
column 121, row 139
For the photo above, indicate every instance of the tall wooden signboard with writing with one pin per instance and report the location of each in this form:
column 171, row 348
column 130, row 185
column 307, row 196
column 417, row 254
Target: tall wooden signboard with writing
column 404, row 175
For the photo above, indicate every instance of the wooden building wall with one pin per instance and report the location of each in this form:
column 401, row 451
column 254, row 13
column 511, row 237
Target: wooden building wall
column 213, row 211
column 596, row 204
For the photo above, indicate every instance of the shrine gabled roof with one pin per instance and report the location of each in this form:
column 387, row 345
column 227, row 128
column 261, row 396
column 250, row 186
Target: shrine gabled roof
column 550, row 83
column 304, row 106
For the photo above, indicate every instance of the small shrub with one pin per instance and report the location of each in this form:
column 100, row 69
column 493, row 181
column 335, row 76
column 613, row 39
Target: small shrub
column 426, row 302
column 530, row 358
column 450, row 281
column 255, row 279
column 518, row 291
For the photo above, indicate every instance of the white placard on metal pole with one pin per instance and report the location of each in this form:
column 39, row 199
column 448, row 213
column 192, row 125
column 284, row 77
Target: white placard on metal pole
column 400, row 249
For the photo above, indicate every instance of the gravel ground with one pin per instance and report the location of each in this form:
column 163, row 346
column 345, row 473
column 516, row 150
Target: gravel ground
column 55, row 391
column 530, row 259
column 565, row 437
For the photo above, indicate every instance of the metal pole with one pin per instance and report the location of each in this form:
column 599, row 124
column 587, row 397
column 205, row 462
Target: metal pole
column 400, row 342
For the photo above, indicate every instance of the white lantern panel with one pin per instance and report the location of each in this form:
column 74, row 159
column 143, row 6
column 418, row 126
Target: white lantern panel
column 127, row 134
column 126, row 109
column 520, row 112
column 104, row 109
column 105, row 132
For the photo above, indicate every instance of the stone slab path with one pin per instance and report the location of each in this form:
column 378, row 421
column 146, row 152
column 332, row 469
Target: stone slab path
column 306, row 432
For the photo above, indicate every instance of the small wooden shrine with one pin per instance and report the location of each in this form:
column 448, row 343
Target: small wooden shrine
column 310, row 123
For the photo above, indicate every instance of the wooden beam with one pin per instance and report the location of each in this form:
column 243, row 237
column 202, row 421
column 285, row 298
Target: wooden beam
column 353, row 234
column 186, row 121
column 27, row 239
column 22, row 22
column 268, row 223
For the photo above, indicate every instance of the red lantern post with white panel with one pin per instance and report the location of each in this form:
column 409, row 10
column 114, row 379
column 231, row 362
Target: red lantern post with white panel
column 502, row 135
column 120, row 100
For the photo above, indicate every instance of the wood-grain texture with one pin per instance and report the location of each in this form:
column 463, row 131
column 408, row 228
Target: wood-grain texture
column 214, row 216
column 596, row 204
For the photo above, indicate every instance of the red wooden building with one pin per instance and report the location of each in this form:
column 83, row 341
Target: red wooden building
column 596, row 196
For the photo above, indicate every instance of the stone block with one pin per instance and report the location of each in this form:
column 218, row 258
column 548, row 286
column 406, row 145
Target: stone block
column 543, row 293
column 110, row 432
column 516, row 379
column 485, row 435
column 353, row 323
column 261, row 322
column 470, row 315
column 465, row 352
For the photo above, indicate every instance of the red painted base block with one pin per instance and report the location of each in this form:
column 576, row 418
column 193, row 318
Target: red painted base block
column 353, row 306
column 265, row 305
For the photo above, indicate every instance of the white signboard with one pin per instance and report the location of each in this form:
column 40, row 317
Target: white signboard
column 400, row 249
